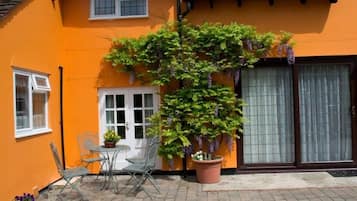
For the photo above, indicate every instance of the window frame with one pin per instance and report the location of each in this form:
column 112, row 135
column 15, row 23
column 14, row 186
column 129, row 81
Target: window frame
column 117, row 14
column 37, row 88
column 30, row 131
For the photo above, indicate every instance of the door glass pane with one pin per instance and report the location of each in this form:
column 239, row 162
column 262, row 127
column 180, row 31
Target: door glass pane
column 325, row 119
column 139, row 134
column 109, row 101
column 22, row 102
column 110, row 128
column 148, row 113
column 138, row 100
column 39, row 110
column 121, row 131
column 148, row 99
column 138, row 116
column 269, row 132
column 110, row 117
column 120, row 101
column 120, row 117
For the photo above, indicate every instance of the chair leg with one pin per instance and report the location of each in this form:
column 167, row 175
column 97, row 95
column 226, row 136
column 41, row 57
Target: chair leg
column 132, row 177
column 153, row 182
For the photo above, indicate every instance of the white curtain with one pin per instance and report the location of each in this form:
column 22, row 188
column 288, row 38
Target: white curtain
column 269, row 132
column 39, row 110
column 325, row 121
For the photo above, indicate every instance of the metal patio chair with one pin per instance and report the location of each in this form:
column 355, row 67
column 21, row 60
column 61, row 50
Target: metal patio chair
column 140, row 171
column 135, row 160
column 85, row 142
column 68, row 174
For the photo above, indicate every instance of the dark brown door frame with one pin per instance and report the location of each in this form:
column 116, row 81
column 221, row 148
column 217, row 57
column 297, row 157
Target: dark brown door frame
column 350, row 60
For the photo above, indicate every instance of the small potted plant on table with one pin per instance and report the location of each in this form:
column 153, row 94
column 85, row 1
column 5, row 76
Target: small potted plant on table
column 110, row 138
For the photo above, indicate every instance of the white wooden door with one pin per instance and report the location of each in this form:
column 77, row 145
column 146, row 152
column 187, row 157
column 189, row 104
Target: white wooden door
column 125, row 110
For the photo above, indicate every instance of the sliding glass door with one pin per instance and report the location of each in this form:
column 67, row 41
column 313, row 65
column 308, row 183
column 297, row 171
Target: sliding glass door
column 268, row 134
column 325, row 118
column 323, row 124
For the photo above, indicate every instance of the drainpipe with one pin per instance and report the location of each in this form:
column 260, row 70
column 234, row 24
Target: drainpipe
column 61, row 116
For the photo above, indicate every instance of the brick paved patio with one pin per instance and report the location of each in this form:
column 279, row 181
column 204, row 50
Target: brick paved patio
column 174, row 188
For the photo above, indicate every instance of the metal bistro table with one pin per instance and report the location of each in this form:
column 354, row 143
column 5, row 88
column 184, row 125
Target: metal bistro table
column 111, row 155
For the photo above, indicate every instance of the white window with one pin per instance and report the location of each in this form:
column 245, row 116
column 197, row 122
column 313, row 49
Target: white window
column 31, row 95
column 109, row 9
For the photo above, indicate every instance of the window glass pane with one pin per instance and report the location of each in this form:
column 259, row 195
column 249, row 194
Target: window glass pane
column 121, row 131
column 39, row 110
column 120, row 101
column 139, row 134
column 325, row 116
column 109, row 101
column 138, row 116
column 133, row 7
column 269, row 131
column 110, row 117
column 138, row 100
column 104, row 7
column 120, row 117
column 148, row 99
column 41, row 81
column 22, row 102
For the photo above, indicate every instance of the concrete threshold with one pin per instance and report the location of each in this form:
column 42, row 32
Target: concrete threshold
column 273, row 181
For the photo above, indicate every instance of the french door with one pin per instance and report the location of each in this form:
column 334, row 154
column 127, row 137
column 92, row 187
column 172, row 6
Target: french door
column 126, row 110
column 298, row 116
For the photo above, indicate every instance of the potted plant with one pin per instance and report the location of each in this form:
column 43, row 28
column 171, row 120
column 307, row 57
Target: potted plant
column 25, row 197
column 208, row 168
column 199, row 119
column 110, row 138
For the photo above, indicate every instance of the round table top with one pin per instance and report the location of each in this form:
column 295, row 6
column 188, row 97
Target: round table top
column 118, row 147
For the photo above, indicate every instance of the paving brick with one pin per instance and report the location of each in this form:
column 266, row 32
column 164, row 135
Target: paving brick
column 177, row 189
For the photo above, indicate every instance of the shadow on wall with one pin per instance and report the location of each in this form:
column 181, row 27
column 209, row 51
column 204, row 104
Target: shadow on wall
column 287, row 15
column 77, row 14
column 109, row 76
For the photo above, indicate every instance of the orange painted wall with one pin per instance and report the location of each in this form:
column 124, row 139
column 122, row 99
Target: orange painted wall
column 319, row 28
column 86, row 42
column 29, row 38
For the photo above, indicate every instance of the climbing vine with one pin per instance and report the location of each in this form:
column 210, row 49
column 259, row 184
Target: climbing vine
column 201, row 110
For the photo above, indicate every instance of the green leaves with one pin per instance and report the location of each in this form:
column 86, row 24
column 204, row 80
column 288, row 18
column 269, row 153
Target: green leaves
column 192, row 54
column 207, row 112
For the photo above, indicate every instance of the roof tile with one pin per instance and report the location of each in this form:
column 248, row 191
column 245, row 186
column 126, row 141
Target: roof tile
column 6, row 6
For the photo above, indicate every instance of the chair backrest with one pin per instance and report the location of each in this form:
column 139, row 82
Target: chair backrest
column 152, row 151
column 85, row 141
column 57, row 158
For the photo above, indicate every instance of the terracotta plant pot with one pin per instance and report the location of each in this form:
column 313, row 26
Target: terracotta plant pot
column 208, row 171
column 109, row 144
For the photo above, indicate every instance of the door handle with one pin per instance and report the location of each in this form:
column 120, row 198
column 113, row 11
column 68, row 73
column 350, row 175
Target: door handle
column 353, row 111
column 126, row 125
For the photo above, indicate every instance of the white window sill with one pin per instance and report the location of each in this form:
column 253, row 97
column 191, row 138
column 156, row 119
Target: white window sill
column 117, row 17
column 21, row 134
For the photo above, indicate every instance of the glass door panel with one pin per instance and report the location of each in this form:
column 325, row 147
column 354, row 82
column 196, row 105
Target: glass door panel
column 269, row 130
column 325, row 118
